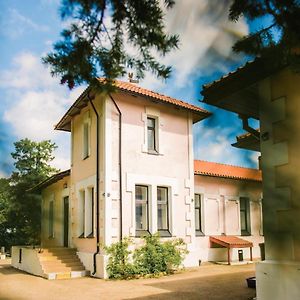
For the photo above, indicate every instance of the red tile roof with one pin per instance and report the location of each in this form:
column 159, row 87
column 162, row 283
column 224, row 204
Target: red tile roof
column 127, row 87
column 230, row 241
column 206, row 168
column 131, row 87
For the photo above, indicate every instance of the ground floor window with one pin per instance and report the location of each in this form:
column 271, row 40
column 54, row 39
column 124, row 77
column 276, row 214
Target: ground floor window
column 163, row 211
column 198, row 215
column 51, row 219
column 81, row 213
column 245, row 216
column 86, row 213
column 141, row 210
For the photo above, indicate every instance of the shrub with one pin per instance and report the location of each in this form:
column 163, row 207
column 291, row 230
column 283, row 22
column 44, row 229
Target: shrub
column 157, row 257
column 119, row 266
column 153, row 258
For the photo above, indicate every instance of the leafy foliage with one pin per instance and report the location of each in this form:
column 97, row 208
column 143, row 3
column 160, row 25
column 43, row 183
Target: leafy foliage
column 153, row 258
column 277, row 42
column 156, row 257
column 20, row 207
column 119, row 265
column 97, row 39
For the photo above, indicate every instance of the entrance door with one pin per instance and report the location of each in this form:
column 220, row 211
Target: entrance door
column 66, row 221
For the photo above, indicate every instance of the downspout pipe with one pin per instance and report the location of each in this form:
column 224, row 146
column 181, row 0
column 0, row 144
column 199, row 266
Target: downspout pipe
column 248, row 128
column 120, row 165
column 97, row 184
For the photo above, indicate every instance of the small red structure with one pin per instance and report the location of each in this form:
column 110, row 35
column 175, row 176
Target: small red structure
column 230, row 242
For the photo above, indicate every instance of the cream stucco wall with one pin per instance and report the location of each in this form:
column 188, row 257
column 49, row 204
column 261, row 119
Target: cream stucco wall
column 56, row 193
column 223, row 191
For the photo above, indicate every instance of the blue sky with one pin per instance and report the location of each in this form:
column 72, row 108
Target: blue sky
column 32, row 101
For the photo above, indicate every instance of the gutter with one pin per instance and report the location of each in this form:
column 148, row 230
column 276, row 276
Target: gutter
column 120, row 165
column 248, row 128
column 97, row 184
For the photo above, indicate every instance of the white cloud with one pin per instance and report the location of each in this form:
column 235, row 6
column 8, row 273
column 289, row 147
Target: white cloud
column 206, row 38
column 14, row 24
column 36, row 103
column 27, row 73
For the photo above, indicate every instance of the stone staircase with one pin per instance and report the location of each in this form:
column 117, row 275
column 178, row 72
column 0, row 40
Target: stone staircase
column 61, row 263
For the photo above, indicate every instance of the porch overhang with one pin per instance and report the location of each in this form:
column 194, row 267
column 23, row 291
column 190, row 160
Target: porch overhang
column 247, row 141
column 230, row 242
column 238, row 91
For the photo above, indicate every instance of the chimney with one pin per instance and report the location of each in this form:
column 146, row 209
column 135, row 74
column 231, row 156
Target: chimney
column 130, row 78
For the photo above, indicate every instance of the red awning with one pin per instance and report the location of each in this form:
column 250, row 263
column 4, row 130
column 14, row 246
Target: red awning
column 230, row 241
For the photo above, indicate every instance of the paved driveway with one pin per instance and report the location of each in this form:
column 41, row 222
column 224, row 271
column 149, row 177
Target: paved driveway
column 208, row 282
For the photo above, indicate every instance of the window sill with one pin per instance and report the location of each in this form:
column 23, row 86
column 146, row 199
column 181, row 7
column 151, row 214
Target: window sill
column 81, row 236
column 86, row 157
column 199, row 233
column 141, row 233
column 164, row 233
column 246, row 234
column 152, row 152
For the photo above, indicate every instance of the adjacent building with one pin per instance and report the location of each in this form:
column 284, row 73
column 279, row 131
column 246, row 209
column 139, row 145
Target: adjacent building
column 270, row 94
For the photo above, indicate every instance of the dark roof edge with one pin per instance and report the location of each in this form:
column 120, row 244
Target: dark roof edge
column 226, row 177
column 54, row 178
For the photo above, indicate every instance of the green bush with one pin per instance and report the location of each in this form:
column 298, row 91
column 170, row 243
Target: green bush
column 153, row 258
column 119, row 266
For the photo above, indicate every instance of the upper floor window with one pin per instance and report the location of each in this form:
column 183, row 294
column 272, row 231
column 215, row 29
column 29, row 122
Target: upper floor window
column 86, row 138
column 245, row 216
column 198, row 215
column 151, row 132
column 141, row 210
column 163, row 211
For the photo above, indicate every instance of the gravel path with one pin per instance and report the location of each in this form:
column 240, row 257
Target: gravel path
column 208, row 282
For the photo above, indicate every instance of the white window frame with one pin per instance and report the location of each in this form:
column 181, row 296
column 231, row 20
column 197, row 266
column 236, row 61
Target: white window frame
column 201, row 215
column 152, row 113
column 81, row 213
column 86, row 212
column 51, row 229
column 153, row 182
column 165, row 232
column 139, row 233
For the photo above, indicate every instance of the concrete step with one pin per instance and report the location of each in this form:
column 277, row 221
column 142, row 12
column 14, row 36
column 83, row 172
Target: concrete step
column 63, row 258
column 63, row 269
column 66, row 275
column 61, row 263
column 46, row 264
column 57, row 251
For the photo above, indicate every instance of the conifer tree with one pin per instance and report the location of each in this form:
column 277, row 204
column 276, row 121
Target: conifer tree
column 105, row 37
column 279, row 41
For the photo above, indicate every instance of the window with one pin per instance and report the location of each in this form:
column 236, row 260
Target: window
column 51, row 219
column 141, row 210
column 81, row 213
column 151, row 132
column 86, row 139
column 198, row 218
column 89, row 209
column 163, row 211
column 245, row 216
